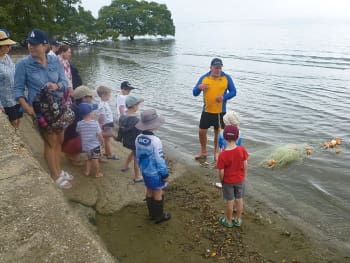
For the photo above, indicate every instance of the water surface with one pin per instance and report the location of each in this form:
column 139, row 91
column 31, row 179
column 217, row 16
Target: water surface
column 293, row 87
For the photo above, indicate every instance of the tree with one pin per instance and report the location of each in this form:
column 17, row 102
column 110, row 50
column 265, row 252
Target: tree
column 131, row 18
column 58, row 18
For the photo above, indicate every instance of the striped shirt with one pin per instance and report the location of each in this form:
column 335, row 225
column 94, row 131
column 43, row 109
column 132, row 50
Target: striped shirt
column 88, row 131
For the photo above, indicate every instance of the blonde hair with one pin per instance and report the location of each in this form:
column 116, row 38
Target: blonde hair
column 103, row 90
column 232, row 118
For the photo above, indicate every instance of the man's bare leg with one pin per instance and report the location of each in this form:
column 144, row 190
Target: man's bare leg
column 202, row 134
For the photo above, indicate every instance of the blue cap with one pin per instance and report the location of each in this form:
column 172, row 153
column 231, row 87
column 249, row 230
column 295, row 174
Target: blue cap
column 54, row 42
column 85, row 108
column 216, row 62
column 6, row 31
column 126, row 85
column 37, row 37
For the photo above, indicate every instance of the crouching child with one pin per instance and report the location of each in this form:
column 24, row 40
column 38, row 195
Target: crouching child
column 150, row 157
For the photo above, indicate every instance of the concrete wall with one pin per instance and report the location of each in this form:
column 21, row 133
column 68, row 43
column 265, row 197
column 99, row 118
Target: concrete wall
column 36, row 222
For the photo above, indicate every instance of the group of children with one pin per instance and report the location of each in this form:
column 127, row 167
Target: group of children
column 136, row 134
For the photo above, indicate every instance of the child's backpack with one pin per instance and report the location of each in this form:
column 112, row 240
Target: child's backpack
column 127, row 132
column 51, row 111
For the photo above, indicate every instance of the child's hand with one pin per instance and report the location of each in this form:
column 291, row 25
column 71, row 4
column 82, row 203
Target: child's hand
column 165, row 178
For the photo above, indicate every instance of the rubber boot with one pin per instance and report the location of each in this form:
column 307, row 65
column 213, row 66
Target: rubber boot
column 160, row 216
column 150, row 205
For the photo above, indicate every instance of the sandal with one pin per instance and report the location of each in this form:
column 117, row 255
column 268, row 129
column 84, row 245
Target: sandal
column 124, row 169
column 237, row 222
column 66, row 176
column 63, row 183
column 99, row 175
column 137, row 181
column 113, row 157
column 224, row 222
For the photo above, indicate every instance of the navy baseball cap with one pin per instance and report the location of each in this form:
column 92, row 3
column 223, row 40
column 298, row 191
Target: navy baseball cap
column 55, row 43
column 126, row 85
column 216, row 62
column 85, row 108
column 37, row 37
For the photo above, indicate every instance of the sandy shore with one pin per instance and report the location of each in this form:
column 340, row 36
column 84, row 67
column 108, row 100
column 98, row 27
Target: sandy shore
column 193, row 234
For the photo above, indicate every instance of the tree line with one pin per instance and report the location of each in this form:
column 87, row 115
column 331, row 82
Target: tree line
column 67, row 20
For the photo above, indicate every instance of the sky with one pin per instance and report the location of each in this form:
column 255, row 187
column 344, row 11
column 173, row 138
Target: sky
column 201, row 10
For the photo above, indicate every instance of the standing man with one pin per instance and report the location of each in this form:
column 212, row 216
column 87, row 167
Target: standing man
column 217, row 87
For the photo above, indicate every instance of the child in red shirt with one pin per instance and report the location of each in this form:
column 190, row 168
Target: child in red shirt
column 232, row 165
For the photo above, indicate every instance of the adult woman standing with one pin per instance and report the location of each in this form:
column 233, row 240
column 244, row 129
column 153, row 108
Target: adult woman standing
column 64, row 54
column 33, row 73
column 7, row 73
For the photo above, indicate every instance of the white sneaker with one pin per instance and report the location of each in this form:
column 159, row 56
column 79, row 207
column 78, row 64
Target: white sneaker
column 218, row 185
column 63, row 183
column 66, row 176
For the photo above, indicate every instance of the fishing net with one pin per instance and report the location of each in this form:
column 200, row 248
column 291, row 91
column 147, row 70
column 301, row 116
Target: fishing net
column 285, row 155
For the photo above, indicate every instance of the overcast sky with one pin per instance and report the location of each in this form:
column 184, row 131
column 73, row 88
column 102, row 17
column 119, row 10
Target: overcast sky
column 199, row 10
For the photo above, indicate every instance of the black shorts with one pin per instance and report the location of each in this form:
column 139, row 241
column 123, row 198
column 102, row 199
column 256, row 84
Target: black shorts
column 108, row 127
column 211, row 119
column 13, row 112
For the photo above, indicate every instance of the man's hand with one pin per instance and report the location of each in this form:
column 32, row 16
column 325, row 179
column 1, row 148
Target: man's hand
column 203, row 86
column 220, row 98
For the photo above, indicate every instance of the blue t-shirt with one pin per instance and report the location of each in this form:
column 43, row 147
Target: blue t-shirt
column 150, row 157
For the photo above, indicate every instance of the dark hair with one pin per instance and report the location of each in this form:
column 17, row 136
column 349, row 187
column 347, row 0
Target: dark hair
column 63, row 48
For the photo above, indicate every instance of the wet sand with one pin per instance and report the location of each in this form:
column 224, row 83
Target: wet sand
column 195, row 235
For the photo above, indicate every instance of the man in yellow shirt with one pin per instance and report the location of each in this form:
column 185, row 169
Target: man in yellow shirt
column 217, row 87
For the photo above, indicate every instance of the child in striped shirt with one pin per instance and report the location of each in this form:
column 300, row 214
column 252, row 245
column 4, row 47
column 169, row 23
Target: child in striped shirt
column 91, row 138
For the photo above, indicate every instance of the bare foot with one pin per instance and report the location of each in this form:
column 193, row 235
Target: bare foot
column 86, row 173
column 200, row 156
column 99, row 175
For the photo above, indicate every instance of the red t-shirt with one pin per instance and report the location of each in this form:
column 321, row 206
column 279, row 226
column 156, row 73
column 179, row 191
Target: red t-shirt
column 232, row 161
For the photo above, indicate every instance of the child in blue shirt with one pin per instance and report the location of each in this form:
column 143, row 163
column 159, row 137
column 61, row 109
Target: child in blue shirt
column 150, row 157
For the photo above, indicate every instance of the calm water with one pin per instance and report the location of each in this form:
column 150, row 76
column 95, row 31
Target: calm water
column 293, row 84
